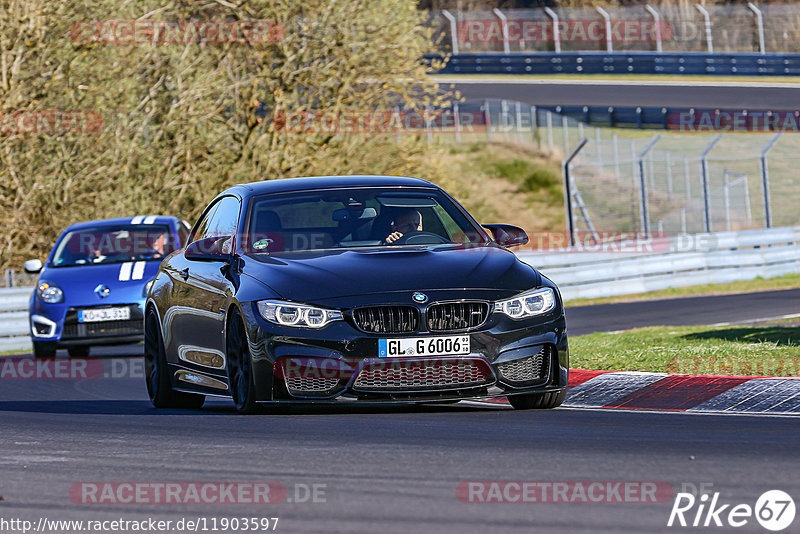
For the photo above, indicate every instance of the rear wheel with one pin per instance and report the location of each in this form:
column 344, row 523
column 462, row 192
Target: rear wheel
column 537, row 401
column 44, row 349
column 159, row 387
column 81, row 351
column 240, row 366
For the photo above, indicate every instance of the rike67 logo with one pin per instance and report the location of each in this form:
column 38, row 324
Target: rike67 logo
column 774, row 510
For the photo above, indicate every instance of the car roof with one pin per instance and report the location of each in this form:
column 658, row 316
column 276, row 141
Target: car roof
column 139, row 219
column 283, row 185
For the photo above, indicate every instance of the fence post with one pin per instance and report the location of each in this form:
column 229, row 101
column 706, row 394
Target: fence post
column 760, row 24
column 518, row 112
column 457, row 120
column 453, row 30
column 704, row 177
column 727, row 196
column 565, row 131
column 568, row 190
column 607, row 18
column 668, row 163
column 657, row 23
column 556, row 35
column 487, row 116
column 765, row 179
column 504, row 117
column 9, row 278
column 709, row 37
column 503, row 29
column 535, row 126
column 643, row 211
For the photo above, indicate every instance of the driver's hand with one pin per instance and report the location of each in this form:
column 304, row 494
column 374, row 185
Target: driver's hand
column 394, row 236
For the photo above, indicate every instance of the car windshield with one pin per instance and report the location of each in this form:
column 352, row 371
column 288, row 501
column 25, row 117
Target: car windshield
column 319, row 220
column 114, row 244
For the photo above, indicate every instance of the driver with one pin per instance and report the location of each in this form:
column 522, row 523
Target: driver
column 406, row 220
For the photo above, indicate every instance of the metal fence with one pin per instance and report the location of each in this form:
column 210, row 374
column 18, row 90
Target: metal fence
column 667, row 27
column 631, row 181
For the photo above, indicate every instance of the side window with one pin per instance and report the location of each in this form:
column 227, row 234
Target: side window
column 225, row 218
column 203, row 229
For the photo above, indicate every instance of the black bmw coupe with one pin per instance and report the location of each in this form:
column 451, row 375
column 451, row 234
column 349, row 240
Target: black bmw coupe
column 331, row 289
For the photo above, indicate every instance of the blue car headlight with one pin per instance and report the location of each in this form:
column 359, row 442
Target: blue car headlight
column 528, row 304
column 50, row 293
column 297, row 315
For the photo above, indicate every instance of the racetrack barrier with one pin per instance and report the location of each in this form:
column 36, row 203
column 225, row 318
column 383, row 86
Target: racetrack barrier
column 675, row 63
column 14, row 327
column 604, row 271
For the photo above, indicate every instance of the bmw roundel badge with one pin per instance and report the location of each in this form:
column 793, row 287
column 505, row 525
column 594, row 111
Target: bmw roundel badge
column 419, row 297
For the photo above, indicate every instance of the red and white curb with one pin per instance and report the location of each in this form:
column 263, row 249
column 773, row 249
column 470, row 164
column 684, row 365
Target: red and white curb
column 630, row 390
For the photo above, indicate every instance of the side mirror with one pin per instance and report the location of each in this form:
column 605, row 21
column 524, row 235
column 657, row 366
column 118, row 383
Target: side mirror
column 210, row 249
column 507, row 235
column 32, row 266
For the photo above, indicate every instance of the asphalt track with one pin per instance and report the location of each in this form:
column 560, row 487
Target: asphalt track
column 670, row 94
column 389, row 470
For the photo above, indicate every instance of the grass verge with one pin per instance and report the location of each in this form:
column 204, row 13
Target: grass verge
column 789, row 281
column 506, row 183
column 764, row 350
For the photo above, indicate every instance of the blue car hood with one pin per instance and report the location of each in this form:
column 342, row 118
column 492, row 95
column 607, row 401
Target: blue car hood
column 79, row 282
column 314, row 276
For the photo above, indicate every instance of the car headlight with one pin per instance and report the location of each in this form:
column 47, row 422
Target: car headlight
column 528, row 304
column 146, row 288
column 299, row 315
column 50, row 293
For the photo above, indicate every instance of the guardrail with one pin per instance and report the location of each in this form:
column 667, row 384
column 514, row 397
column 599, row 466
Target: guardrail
column 684, row 261
column 744, row 64
column 14, row 327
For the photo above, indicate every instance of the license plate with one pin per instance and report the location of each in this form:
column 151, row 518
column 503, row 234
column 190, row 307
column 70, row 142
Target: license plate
column 423, row 346
column 104, row 314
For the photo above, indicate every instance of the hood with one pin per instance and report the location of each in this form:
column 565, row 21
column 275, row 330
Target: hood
column 122, row 279
column 314, row 276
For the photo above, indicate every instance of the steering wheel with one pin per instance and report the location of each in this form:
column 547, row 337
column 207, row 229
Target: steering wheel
column 418, row 237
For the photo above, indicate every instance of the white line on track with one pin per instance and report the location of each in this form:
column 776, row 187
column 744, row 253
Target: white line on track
column 760, row 320
column 632, row 83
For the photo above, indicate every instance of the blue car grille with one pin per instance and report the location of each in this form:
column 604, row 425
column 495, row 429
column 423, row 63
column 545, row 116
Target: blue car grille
column 75, row 330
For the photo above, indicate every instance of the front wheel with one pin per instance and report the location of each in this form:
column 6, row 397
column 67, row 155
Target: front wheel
column 159, row 387
column 537, row 401
column 80, row 351
column 240, row 366
column 44, row 349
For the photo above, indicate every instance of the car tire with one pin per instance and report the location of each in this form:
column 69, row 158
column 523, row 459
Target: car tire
column 240, row 366
column 81, row 351
column 537, row 401
column 44, row 349
column 159, row 387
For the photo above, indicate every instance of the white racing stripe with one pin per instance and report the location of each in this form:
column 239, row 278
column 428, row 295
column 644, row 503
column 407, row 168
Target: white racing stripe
column 150, row 219
column 125, row 271
column 137, row 219
column 138, row 270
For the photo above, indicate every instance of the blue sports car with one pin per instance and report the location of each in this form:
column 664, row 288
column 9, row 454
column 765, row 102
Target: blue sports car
column 93, row 285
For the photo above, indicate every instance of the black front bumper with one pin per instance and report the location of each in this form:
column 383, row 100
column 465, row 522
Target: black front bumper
column 499, row 341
